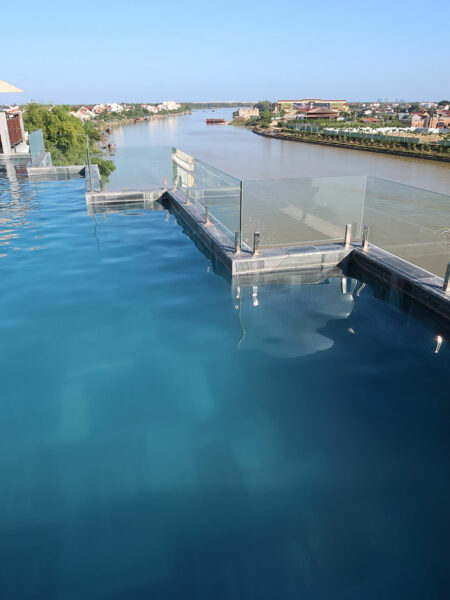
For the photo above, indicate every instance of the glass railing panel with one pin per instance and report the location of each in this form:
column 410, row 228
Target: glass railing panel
column 411, row 223
column 209, row 187
column 37, row 150
column 140, row 167
column 302, row 211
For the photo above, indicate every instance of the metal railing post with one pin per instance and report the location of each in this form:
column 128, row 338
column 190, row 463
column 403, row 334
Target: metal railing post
column 365, row 238
column 256, row 243
column 237, row 242
column 348, row 235
column 179, row 182
column 165, row 182
column 240, row 214
column 447, row 280
column 188, row 200
column 207, row 221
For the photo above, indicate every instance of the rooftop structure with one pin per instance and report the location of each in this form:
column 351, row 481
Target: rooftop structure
column 292, row 106
column 12, row 133
column 321, row 113
column 247, row 113
column 169, row 105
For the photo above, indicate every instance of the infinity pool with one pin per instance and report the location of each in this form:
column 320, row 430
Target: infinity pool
column 164, row 436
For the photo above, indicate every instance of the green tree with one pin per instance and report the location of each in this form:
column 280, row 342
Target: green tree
column 264, row 105
column 266, row 119
column 65, row 136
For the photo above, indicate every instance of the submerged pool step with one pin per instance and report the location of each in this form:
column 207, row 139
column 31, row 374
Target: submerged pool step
column 125, row 196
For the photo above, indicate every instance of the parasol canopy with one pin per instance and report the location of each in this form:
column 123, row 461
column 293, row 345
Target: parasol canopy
column 7, row 87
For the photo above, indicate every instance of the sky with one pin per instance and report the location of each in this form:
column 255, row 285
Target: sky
column 141, row 51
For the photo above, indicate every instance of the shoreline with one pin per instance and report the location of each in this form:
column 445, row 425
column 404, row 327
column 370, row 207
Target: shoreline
column 393, row 151
column 131, row 120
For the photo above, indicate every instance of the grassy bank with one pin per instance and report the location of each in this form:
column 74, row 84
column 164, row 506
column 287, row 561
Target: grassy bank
column 428, row 152
column 119, row 121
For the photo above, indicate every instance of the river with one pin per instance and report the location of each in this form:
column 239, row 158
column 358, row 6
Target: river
column 246, row 155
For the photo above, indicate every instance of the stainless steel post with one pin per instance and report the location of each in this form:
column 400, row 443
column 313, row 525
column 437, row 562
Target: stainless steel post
column 365, row 238
column 188, row 200
column 348, row 235
column 179, row 182
column 207, row 221
column 240, row 214
column 165, row 182
column 237, row 242
column 256, row 243
column 447, row 280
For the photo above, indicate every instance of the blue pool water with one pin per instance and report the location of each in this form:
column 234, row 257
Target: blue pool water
column 161, row 438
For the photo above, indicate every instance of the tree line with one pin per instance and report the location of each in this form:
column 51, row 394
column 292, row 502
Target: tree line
column 65, row 136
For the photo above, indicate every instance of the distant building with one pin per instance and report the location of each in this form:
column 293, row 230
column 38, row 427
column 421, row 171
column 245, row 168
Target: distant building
column 169, row 105
column 83, row 113
column 336, row 105
column 419, row 120
column 88, row 112
column 150, row 108
column 248, row 113
column 293, row 106
column 441, row 120
column 114, row 107
column 321, row 113
column 12, row 133
column 405, row 117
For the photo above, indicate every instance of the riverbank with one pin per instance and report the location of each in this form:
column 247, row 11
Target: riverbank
column 120, row 122
column 351, row 145
column 238, row 151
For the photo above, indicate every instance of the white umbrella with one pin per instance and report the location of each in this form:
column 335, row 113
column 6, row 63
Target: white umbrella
column 7, row 87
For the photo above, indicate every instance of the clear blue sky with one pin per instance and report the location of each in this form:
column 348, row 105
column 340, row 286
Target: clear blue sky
column 85, row 52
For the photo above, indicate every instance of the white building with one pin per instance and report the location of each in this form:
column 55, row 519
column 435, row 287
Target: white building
column 83, row 113
column 247, row 113
column 114, row 107
column 169, row 105
column 150, row 108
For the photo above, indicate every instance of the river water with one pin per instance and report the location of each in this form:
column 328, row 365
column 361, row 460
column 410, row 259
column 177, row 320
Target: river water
column 246, row 155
